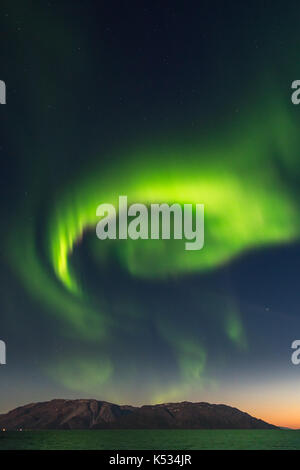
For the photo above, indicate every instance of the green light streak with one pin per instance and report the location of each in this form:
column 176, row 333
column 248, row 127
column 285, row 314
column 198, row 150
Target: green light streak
column 246, row 205
column 82, row 374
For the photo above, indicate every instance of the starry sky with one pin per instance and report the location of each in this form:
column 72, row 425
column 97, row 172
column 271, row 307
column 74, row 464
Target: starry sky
column 180, row 102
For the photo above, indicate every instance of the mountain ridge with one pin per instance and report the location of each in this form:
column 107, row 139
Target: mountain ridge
column 95, row 414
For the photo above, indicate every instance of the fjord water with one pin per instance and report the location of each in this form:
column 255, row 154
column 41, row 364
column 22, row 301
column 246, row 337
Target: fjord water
column 151, row 439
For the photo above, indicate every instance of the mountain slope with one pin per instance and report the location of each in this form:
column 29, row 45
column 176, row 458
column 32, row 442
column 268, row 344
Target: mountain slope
column 93, row 414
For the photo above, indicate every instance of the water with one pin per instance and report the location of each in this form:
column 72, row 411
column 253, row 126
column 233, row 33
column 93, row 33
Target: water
column 150, row 439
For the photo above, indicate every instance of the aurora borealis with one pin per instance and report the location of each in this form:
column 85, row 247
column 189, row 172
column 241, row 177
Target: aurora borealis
column 162, row 104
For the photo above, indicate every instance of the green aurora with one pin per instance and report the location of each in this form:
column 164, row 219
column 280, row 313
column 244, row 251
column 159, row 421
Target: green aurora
column 247, row 206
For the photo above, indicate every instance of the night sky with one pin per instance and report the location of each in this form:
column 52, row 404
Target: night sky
column 186, row 102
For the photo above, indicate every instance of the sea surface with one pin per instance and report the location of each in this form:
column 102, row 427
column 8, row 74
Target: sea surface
column 150, row 439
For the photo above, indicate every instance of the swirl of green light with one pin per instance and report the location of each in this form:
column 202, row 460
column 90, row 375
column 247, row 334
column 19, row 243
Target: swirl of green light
column 247, row 205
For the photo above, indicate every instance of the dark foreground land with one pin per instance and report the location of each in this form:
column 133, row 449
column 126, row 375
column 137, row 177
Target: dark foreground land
column 151, row 439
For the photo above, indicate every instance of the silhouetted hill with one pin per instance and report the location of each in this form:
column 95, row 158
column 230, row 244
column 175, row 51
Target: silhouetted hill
column 93, row 414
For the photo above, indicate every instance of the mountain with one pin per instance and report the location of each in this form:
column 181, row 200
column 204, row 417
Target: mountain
column 93, row 414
